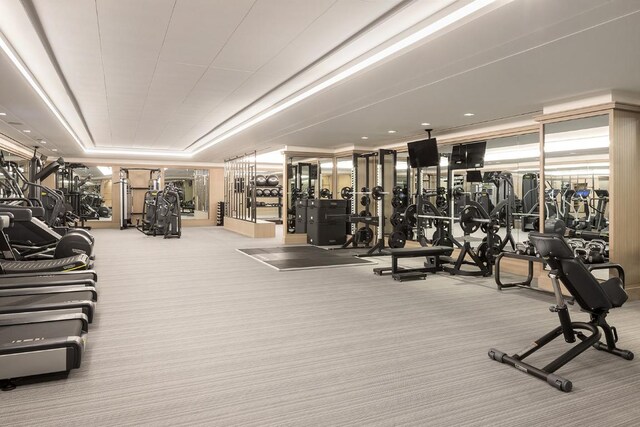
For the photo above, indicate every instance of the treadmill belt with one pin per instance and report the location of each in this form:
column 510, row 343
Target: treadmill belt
column 302, row 257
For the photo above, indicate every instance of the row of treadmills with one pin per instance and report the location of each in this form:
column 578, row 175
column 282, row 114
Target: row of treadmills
column 48, row 296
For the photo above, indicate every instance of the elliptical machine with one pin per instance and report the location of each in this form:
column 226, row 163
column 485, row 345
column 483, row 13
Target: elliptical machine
column 161, row 213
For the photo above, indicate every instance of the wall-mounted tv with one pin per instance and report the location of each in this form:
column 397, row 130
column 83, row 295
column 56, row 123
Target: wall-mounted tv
column 474, row 176
column 468, row 156
column 475, row 154
column 423, row 153
column 458, row 157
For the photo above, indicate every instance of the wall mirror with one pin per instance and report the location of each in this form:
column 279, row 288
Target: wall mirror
column 87, row 190
column 193, row 186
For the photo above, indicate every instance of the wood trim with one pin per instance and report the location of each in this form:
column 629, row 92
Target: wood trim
column 578, row 113
column 259, row 229
column 624, row 158
column 522, row 130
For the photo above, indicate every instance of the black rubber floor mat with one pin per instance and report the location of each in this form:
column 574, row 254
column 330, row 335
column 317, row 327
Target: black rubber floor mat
column 301, row 258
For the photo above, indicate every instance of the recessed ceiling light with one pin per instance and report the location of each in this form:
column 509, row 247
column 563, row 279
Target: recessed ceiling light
column 54, row 149
column 3, row 114
column 364, row 137
column 425, row 124
column 391, row 131
column 43, row 142
column 26, row 131
column 469, row 114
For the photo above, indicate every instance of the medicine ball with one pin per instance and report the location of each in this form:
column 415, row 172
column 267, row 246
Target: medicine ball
column 72, row 244
column 259, row 192
column 273, row 180
column 261, row 180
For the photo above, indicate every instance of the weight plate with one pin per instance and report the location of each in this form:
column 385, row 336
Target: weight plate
column 346, row 193
column 376, row 192
column 396, row 202
column 365, row 213
column 410, row 215
column 365, row 200
column 396, row 219
column 468, row 219
column 397, row 239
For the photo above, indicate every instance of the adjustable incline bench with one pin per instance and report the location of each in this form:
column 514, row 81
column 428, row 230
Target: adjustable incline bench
column 432, row 265
column 593, row 297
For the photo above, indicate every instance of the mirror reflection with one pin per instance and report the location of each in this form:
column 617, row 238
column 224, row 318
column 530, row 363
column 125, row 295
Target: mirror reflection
column 193, row 187
column 87, row 190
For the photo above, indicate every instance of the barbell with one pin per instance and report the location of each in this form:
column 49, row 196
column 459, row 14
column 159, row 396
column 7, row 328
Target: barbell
column 470, row 219
column 376, row 192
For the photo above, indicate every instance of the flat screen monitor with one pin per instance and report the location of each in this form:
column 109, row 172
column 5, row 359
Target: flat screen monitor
column 475, row 154
column 489, row 176
column 474, row 176
column 458, row 157
column 423, row 153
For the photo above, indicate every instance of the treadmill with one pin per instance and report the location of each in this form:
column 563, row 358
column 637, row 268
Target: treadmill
column 76, row 299
column 8, row 265
column 40, row 343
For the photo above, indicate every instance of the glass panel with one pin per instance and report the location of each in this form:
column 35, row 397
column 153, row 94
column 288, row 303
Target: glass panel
column 577, row 181
column 506, row 186
column 325, row 182
column 193, row 186
column 87, row 190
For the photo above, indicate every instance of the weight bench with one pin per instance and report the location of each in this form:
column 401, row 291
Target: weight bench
column 433, row 264
column 593, row 297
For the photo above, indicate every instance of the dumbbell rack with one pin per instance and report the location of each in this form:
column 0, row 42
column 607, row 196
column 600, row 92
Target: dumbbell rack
column 220, row 214
column 277, row 204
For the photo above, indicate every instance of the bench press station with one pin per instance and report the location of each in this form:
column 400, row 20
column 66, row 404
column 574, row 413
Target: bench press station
column 432, row 265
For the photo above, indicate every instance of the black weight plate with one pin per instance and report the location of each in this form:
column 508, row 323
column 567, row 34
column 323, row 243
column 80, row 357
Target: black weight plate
column 396, row 219
column 365, row 200
column 367, row 235
column 407, row 230
column 410, row 215
column 396, row 202
column 346, row 193
column 365, row 213
column 397, row 190
column 467, row 219
column 376, row 192
column 397, row 239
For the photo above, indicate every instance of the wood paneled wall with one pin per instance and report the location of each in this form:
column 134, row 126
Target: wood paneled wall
column 624, row 190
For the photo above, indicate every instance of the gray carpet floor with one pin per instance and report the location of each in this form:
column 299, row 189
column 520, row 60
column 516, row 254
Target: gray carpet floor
column 192, row 332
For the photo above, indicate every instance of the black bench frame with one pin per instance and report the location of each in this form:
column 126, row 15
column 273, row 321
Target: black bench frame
column 432, row 265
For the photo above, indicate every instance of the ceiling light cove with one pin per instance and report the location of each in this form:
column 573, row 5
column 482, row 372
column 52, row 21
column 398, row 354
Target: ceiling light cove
column 133, row 152
column 3, row 114
column 210, row 140
column 411, row 39
column 364, row 137
column 391, row 131
column 469, row 114
column 17, row 62
column 425, row 124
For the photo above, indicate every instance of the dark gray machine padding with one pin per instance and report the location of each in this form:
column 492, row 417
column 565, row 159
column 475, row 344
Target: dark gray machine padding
column 79, row 261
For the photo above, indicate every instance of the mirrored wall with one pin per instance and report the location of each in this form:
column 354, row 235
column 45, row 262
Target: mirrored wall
column 193, row 187
column 577, row 173
column 505, row 182
column 88, row 190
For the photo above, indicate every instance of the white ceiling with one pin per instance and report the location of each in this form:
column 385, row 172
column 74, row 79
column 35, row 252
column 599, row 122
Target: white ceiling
column 162, row 74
